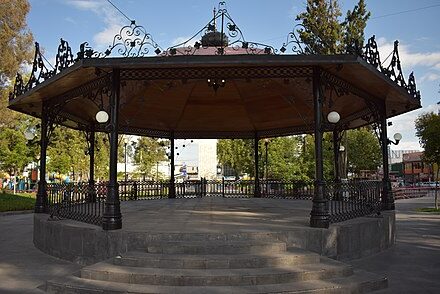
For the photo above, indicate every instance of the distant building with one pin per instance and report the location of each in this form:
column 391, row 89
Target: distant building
column 415, row 170
column 396, row 156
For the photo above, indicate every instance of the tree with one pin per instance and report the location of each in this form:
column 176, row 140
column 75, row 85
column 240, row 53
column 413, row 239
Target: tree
column 324, row 33
column 354, row 26
column 428, row 130
column 363, row 149
column 237, row 154
column 285, row 160
column 148, row 152
column 14, row 154
column 16, row 49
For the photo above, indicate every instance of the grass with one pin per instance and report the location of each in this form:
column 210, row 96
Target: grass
column 19, row 201
column 429, row 210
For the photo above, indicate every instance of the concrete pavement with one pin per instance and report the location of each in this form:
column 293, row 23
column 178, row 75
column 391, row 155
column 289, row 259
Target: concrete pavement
column 23, row 267
column 412, row 266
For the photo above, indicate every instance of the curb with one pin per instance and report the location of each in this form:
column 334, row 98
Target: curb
column 8, row 213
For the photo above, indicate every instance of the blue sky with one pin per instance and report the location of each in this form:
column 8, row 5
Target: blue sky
column 96, row 21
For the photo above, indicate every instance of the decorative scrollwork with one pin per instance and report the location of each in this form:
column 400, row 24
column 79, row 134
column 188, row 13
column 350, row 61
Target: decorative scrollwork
column 371, row 53
column 38, row 74
column 394, row 70
column 298, row 47
column 412, row 88
column 131, row 41
column 227, row 35
column 64, row 57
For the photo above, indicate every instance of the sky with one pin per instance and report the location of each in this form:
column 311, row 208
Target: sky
column 269, row 22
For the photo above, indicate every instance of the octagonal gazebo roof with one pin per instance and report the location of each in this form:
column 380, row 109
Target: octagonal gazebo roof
column 264, row 93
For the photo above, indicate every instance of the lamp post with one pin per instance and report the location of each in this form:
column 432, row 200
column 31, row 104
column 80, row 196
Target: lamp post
column 266, row 144
column 125, row 157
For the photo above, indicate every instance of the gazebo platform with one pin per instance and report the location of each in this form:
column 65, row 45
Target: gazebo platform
column 215, row 245
column 213, row 218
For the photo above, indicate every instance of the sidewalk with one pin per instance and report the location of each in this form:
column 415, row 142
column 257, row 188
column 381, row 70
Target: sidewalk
column 412, row 266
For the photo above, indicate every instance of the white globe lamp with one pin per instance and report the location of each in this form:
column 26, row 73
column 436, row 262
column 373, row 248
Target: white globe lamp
column 101, row 116
column 333, row 117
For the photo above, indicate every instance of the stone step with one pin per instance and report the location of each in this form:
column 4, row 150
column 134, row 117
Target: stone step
column 185, row 261
column 326, row 269
column 359, row 282
column 216, row 247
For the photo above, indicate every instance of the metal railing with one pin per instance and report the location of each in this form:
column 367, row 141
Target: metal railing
column 77, row 201
column 82, row 202
column 348, row 200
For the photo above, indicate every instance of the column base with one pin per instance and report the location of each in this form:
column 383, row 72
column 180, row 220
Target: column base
column 319, row 217
column 41, row 203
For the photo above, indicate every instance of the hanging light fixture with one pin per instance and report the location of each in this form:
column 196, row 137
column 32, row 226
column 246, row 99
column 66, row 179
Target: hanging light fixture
column 101, row 116
column 215, row 83
column 333, row 117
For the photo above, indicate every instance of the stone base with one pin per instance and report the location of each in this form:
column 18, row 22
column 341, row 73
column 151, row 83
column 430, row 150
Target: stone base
column 87, row 244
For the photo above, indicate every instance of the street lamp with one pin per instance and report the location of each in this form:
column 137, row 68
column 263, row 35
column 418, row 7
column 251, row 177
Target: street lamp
column 397, row 137
column 125, row 157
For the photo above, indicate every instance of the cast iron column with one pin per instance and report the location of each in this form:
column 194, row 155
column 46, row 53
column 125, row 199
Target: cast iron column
column 319, row 216
column 337, row 173
column 336, row 155
column 387, row 195
column 112, row 218
column 91, row 138
column 41, row 201
column 172, row 191
column 257, row 192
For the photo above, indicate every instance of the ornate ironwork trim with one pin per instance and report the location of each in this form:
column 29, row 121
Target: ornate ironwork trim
column 212, row 37
column 132, row 41
column 298, row 47
column 221, row 72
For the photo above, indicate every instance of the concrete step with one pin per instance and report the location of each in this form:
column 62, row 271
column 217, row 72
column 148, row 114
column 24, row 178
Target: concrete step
column 217, row 261
column 326, row 269
column 216, row 247
column 359, row 282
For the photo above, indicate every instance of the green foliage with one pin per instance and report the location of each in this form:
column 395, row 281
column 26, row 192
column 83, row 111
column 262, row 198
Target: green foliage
column 147, row 153
column 354, row 26
column 15, row 38
column 428, row 131
column 430, row 210
column 66, row 152
column 327, row 154
column 363, row 149
column 14, row 154
column 324, row 33
column 285, row 160
column 237, row 154
column 11, row 202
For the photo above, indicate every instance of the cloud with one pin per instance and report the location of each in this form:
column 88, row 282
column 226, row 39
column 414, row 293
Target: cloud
column 180, row 40
column 112, row 19
column 408, row 58
column 430, row 77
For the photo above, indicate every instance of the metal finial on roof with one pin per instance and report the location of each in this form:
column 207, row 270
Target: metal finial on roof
column 215, row 25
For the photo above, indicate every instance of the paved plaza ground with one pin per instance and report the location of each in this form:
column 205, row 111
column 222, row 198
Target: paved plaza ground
column 412, row 266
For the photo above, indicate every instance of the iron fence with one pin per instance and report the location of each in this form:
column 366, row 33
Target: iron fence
column 77, row 201
column 82, row 202
column 348, row 200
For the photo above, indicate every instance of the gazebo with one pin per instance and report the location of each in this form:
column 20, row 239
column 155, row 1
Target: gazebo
column 219, row 86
